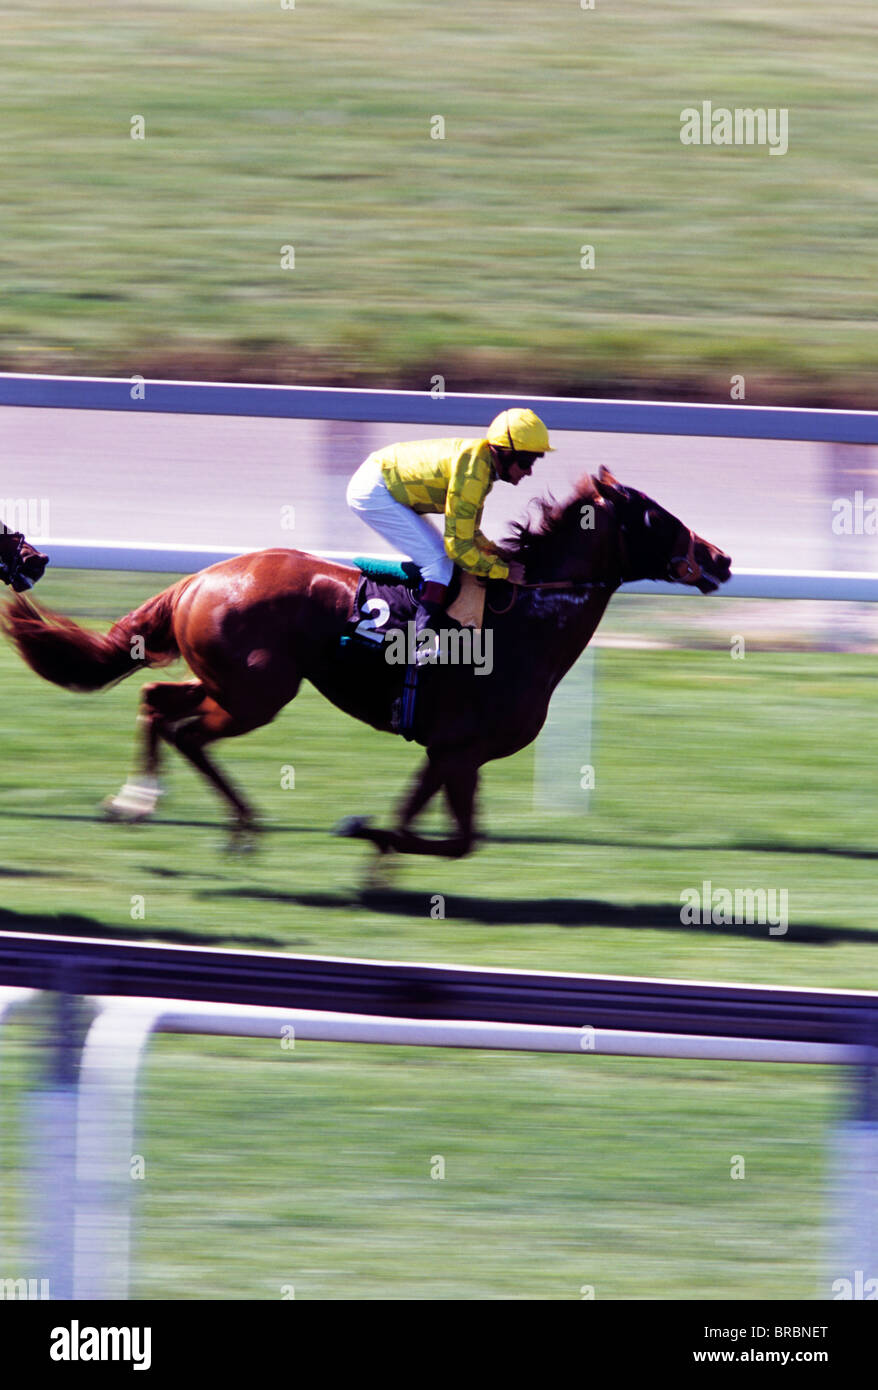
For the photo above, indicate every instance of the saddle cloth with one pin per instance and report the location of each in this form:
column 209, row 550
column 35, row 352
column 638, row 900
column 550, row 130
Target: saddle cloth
column 384, row 607
column 385, row 601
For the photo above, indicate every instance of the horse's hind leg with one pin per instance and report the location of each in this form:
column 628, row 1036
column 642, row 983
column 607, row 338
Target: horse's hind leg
column 160, row 700
column 184, row 716
column 190, row 735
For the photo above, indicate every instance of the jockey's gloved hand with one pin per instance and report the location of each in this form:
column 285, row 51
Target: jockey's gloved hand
column 516, row 572
column 21, row 565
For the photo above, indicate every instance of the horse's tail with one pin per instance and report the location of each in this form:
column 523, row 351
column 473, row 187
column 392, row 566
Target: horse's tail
column 66, row 654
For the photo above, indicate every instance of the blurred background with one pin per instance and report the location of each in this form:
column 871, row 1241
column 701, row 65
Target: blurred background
column 252, row 483
column 313, row 127
column 380, row 194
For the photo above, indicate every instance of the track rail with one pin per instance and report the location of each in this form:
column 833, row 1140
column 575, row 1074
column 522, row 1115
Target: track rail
column 448, row 410
column 394, row 989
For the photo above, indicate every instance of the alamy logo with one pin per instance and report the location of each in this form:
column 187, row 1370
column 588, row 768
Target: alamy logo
column 463, row 646
column 29, row 515
column 857, row 1288
column 743, row 126
column 709, row 906
column 855, row 516
column 24, row 1288
column 75, row 1343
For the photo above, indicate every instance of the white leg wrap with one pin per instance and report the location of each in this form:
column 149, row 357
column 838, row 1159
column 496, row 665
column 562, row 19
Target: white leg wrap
column 135, row 800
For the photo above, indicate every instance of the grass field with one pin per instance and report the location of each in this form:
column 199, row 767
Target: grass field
column 561, row 1172
column 310, row 127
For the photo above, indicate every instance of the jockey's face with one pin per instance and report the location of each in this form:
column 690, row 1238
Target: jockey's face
column 514, row 465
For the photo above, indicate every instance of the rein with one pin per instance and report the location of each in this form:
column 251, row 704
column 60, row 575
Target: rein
column 562, row 585
column 558, row 584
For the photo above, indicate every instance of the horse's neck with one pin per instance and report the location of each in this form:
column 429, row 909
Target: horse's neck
column 603, row 548
column 592, row 611
column 566, row 622
column 567, row 618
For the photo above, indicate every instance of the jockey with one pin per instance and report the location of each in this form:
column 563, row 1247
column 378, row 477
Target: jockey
column 20, row 564
column 395, row 486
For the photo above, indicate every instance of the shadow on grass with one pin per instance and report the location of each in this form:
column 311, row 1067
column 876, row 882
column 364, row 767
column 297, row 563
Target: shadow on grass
column 488, row 838
column 790, row 847
column 6, row 872
column 97, row 818
column 675, row 847
column 556, row 912
column 75, row 925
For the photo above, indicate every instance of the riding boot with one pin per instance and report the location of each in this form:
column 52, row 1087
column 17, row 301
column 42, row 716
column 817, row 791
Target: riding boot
column 430, row 613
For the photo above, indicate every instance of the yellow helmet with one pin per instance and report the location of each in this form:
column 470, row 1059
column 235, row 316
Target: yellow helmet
column 520, row 430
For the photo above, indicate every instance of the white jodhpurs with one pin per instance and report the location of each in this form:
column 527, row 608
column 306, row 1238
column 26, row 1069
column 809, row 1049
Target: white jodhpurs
column 410, row 533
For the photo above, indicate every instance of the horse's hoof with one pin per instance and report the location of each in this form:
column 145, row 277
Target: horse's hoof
column 112, row 810
column 241, row 843
column 351, row 827
column 136, row 801
column 380, row 874
column 244, row 839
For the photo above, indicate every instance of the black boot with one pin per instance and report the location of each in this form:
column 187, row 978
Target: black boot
column 20, row 564
column 430, row 614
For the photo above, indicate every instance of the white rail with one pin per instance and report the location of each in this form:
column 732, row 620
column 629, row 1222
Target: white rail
column 852, row 586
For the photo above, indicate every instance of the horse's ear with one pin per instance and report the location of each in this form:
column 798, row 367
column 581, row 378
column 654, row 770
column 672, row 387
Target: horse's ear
column 606, row 480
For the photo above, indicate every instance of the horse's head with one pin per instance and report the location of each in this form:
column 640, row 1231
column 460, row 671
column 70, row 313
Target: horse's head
column 610, row 534
column 655, row 544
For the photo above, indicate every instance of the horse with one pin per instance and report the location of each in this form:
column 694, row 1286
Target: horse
column 252, row 628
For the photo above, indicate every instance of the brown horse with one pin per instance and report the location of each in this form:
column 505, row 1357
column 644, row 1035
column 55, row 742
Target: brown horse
column 252, row 628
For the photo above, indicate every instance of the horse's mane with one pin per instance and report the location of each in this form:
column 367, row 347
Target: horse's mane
column 528, row 542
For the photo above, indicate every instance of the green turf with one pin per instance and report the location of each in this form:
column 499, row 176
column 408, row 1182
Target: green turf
column 310, row 127
column 561, row 1172
column 558, row 1173
column 313, row 1168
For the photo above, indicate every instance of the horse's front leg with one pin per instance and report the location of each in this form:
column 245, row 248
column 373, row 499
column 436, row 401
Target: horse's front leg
column 426, row 786
column 460, row 794
column 460, row 780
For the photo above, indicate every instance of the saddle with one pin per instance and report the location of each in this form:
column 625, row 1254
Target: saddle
column 386, row 600
column 382, row 622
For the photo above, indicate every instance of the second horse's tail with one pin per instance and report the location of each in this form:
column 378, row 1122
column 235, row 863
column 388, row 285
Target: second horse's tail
column 68, row 655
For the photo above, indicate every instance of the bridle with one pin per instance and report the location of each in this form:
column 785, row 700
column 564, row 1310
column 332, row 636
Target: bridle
column 693, row 569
